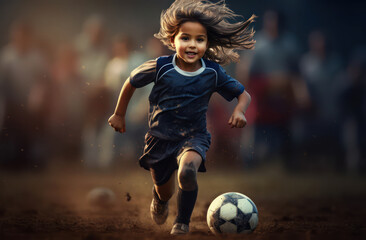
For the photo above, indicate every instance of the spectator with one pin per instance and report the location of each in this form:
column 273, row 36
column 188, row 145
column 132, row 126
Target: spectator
column 66, row 104
column 23, row 75
column 124, row 60
column 353, row 112
column 320, row 69
column 93, row 57
column 270, row 79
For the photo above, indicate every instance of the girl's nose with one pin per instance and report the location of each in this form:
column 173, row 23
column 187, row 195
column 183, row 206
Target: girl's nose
column 192, row 44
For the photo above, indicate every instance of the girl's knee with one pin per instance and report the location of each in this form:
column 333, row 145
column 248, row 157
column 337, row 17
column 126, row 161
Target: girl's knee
column 187, row 177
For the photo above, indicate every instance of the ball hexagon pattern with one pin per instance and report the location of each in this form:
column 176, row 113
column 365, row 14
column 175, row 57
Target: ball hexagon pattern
column 232, row 213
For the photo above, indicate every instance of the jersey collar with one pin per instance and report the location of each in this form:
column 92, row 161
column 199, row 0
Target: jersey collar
column 189, row 74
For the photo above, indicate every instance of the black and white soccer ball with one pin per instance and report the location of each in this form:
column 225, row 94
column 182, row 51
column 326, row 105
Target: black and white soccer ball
column 232, row 213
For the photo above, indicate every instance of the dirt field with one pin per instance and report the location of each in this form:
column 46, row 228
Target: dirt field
column 52, row 204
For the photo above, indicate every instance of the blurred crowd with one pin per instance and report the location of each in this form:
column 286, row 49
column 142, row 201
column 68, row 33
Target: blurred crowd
column 308, row 103
column 55, row 101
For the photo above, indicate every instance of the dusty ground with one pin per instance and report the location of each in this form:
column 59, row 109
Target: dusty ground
column 52, row 204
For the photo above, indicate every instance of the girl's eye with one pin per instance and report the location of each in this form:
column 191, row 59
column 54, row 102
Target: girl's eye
column 200, row 40
column 184, row 38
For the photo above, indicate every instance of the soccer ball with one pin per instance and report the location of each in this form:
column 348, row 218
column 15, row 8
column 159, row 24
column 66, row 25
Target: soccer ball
column 232, row 213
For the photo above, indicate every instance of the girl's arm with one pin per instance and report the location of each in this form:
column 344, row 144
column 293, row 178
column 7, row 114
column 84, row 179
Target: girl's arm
column 117, row 120
column 238, row 119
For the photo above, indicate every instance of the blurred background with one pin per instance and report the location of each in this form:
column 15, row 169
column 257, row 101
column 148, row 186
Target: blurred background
column 63, row 63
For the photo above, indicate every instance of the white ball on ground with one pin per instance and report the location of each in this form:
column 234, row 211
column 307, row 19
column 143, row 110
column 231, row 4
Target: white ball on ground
column 101, row 197
column 232, row 212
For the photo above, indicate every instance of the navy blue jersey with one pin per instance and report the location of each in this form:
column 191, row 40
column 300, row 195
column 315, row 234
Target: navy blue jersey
column 179, row 99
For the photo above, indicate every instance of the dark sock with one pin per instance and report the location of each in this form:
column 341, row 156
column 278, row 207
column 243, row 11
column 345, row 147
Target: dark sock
column 185, row 201
column 156, row 196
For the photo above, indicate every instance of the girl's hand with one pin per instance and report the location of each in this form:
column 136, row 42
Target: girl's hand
column 237, row 119
column 118, row 123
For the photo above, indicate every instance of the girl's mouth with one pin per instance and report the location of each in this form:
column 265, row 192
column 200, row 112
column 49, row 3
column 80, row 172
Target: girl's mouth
column 191, row 54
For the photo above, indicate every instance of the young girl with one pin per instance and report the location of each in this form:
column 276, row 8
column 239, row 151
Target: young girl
column 202, row 37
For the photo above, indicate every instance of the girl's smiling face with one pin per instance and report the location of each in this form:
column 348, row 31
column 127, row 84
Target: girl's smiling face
column 190, row 43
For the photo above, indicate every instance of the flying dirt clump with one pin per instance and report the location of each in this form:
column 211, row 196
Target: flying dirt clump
column 128, row 197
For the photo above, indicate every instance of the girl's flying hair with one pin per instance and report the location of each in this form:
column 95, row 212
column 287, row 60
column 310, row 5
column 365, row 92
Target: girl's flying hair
column 224, row 36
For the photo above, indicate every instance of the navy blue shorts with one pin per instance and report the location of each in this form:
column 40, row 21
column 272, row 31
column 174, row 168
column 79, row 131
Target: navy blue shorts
column 161, row 157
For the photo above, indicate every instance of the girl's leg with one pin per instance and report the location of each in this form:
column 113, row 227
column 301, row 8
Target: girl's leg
column 188, row 189
column 166, row 191
column 159, row 208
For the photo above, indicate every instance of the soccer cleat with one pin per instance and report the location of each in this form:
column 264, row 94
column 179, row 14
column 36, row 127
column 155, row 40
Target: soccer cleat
column 159, row 210
column 180, row 229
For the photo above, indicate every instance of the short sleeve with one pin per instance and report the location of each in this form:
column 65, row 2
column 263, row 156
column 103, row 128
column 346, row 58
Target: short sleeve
column 144, row 74
column 228, row 87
